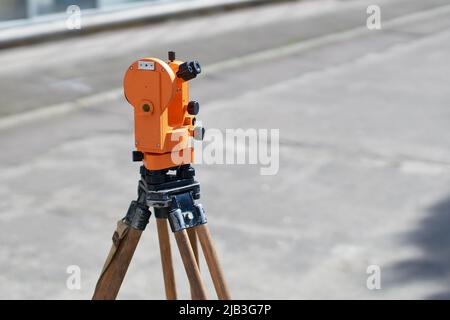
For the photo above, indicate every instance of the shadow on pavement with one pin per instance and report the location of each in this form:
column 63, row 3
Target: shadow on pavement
column 433, row 238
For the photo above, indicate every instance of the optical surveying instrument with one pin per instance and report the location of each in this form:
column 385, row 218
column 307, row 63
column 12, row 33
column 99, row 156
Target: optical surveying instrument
column 164, row 120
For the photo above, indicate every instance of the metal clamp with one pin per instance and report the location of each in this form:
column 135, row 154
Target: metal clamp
column 185, row 213
column 137, row 216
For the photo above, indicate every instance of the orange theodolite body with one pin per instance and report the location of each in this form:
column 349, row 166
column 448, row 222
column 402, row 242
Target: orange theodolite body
column 160, row 100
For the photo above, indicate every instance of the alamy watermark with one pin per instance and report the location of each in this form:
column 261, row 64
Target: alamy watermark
column 373, row 21
column 374, row 279
column 73, row 281
column 73, row 20
column 235, row 147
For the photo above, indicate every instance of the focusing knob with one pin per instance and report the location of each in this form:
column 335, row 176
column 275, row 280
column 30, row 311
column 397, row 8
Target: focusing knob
column 193, row 108
column 189, row 70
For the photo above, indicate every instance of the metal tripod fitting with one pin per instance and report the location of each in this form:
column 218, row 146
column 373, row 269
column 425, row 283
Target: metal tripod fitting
column 138, row 214
column 185, row 213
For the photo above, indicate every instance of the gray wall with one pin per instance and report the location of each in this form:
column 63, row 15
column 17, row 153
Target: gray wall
column 13, row 9
column 20, row 9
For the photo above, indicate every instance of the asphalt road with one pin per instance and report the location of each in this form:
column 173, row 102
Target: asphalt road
column 364, row 156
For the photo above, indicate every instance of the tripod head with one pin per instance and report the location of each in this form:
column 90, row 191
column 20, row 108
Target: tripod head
column 164, row 117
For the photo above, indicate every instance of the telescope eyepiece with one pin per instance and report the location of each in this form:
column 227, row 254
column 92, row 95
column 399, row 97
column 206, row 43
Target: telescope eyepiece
column 196, row 66
column 189, row 70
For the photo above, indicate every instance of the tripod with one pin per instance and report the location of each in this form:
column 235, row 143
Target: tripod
column 172, row 194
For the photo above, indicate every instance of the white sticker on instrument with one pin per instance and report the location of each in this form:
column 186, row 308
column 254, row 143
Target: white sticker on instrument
column 146, row 65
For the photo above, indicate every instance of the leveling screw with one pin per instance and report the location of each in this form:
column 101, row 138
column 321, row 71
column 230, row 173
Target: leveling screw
column 188, row 215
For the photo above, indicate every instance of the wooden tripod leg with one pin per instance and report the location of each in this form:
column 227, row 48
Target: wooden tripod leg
column 110, row 281
column 190, row 265
column 194, row 243
column 166, row 259
column 212, row 260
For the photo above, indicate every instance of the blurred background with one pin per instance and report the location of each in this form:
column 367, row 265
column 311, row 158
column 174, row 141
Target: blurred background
column 364, row 120
column 29, row 9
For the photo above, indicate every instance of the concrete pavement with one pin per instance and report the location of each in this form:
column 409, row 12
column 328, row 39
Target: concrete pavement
column 364, row 159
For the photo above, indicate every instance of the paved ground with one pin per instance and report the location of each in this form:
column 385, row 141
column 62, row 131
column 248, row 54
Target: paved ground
column 364, row 158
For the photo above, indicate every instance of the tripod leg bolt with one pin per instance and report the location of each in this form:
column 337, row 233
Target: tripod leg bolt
column 180, row 220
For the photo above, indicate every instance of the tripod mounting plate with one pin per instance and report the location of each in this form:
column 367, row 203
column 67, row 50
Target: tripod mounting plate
column 173, row 196
column 162, row 197
column 177, row 204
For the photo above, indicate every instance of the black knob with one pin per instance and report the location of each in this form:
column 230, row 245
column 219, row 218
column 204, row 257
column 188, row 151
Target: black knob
column 171, row 55
column 186, row 171
column 189, row 70
column 138, row 156
column 196, row 66
column 193, row 108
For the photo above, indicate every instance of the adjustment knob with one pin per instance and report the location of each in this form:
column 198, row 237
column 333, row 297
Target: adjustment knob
column 196, row 66
column 193, row 108
column 138, row 156
column 189, row 70
column 171, row 56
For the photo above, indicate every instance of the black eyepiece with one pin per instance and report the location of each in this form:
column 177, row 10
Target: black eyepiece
column 196, row 66
column 189, row 70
